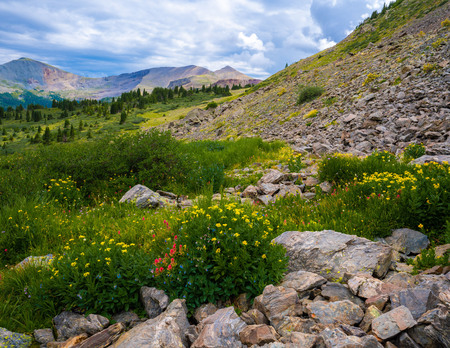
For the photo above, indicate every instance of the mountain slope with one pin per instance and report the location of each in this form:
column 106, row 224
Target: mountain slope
column 387, row 84
column 41, row 79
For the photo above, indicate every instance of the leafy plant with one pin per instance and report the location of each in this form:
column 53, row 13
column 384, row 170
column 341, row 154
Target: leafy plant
column 413, row 151
column 312, row 113
column 309, row 93
column 427, row 259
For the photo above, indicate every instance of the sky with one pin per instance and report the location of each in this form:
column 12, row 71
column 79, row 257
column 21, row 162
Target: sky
column 97, row 38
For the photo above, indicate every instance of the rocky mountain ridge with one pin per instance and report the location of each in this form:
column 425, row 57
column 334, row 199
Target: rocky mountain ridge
column 39, row 77
column 384, row 96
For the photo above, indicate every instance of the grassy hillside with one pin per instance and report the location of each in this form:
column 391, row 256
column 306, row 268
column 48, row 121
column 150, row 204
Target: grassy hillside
column 385, row 57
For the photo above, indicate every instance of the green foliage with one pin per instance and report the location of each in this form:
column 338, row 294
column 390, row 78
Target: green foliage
column 370, row 78
column 228, row 252
column 311, row 114
column 428, row 67
column 445, row 23
column 427, row 259
column 413, row 151
column 309, row 93
column 330, row 101
column 211, row 105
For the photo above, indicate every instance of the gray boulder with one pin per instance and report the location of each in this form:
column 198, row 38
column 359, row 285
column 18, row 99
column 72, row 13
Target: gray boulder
column 393, row 322
column 335, row 338
column 69, row 324
column 331, row 254
column 143, row 197
column 220, row 330
column 155, row 301
column 302, row 281
column 273, row 177
column 166, row 330
column 276, row 302
column 339, row 292
column 13, row 339
column 426, row 159
column 43, row 336
column 345, row 312
column 408, row 241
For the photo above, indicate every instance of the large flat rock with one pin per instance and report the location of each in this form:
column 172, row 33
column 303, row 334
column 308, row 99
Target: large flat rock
column 331, row 254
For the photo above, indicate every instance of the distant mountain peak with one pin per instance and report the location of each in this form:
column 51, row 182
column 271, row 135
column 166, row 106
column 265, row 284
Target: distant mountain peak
column 226, row 69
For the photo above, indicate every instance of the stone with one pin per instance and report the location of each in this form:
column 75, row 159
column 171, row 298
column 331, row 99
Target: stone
column 268, row 189
column 35, row 261
column 339, row 292
column 408, row 241
column 302, row 281
column 405, row 341
column 254, row 317
column 166, row 330
column 72, row 342
column 104, row 338
column 335, row 312
column 128, row 318
column 392, row 323
column 401, row 279
column 155, row 301
column 427, row 159
column 416, row 300
column 295, row 324
column 311, row 181
column 275, row 302
column 378, row 301
column 258, row 334
column 327, row 253
column 220, row 330
column 365, row 286
column 204, row 311
column 14, row 339
column 43, row 336
column 273, row 177
column 402, row 267
column 352, row 330
column 303, row 340
column 349, row 118
column 250, row 192
column 291, row 190
column 371, row 313
column 335, row 338
column 69, row 324
column 325, row 187
column 438, row 331
column 440, row 250
column 263, row 199
column 143, row 197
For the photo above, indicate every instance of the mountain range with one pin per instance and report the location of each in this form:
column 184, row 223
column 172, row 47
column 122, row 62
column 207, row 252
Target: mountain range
column 26, row 74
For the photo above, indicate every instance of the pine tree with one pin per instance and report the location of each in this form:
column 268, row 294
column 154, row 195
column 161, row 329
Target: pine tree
column 80, row 126
column 123, row 117
column 72, row 132
column 46, row 138
column 59, row 136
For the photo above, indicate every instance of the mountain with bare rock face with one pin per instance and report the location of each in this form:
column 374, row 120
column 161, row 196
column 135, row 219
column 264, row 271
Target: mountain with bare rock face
column 26, row 74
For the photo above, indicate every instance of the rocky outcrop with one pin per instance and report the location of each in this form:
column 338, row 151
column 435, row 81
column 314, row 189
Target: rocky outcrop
column 328, row 253
column 384, row 97
column 143, row 197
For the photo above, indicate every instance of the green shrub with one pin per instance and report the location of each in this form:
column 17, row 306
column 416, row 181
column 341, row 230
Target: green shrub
column 445, row 23
column 309, row 93
column 211, row 105
column 228, row 252
column 413, row 151
column 427, row 259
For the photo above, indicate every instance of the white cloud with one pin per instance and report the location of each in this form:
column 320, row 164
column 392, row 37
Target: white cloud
column 251, row 42
column 115, row 36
